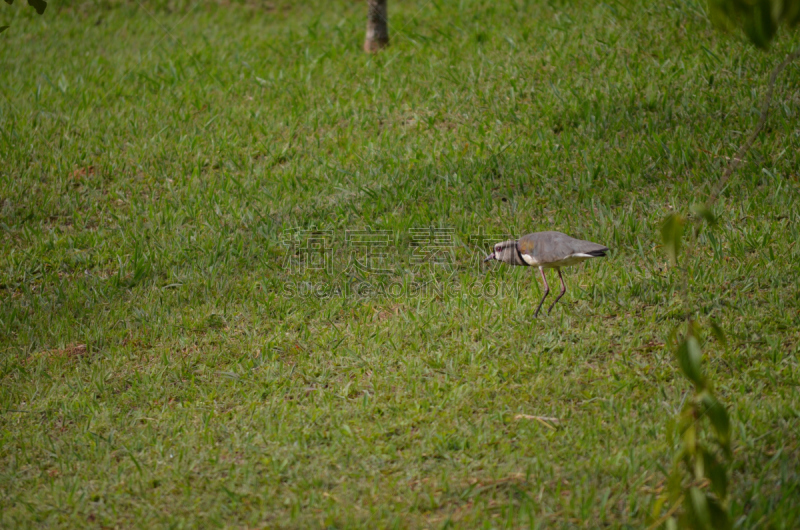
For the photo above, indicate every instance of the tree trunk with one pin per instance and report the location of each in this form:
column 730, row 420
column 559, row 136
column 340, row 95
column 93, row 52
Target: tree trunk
column 377, row 26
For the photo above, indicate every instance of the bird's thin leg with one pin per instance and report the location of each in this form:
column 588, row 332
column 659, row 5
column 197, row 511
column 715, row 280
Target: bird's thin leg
column 546, row 292
column 563, row 290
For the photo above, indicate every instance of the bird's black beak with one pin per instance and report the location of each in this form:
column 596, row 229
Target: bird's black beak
column 490, row 257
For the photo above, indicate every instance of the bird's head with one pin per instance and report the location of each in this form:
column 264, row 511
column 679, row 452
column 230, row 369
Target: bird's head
column 505, row 252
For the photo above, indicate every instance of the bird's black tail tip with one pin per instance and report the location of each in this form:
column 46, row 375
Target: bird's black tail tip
column 598, row 253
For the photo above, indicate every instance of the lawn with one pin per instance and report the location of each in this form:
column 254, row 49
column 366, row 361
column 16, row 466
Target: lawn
column 240, row 267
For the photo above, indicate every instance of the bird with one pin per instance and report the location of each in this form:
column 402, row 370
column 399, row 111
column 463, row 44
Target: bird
column 546, row 250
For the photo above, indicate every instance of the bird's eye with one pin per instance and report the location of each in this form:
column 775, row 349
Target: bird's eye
column 497, row 248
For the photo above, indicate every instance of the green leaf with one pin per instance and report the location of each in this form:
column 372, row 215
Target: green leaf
column 690, row 440
column 671, row 234
column 671, row 426
column 758, row 24
column 720, row 520
column 697, row 508
column 719, row 419
column 658, row 505
column 674, row 482
column 672, row 338
column 686, row 417
column 715, row 472
column 716, row 330
column 3, row 28
column 690, row 359
column 718, row 12
column 693, row 328
column 700, row 462
column 705, row 212
column 791, row 12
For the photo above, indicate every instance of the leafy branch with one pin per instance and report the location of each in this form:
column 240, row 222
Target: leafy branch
column 698, row 482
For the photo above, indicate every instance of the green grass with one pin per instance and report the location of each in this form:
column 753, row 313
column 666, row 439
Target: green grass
column 159, row 367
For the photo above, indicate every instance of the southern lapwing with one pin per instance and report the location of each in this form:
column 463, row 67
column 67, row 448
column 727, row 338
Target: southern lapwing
column 546, row 250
